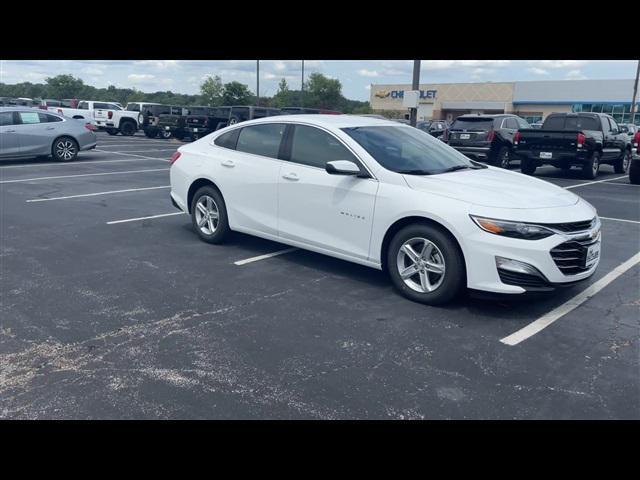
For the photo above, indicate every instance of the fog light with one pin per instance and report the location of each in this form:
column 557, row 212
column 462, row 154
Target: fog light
column 518, row 267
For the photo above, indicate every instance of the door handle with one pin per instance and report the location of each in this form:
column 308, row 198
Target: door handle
column 9, row 131
column 228, row 163
column 291, row 176
column 50, row 128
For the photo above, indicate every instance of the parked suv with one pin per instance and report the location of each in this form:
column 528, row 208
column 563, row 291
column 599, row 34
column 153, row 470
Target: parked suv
column 242, row 113
column 172, row 123
column 486, row 137
column 435, row 128
column 151, row 116
column 201, row 121
column 567, row 139
column 634, row 167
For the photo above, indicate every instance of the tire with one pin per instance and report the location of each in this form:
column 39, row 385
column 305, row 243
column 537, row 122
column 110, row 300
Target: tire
column 590, row 167
column 234, row 119
column 151, row 132
column 112, row 131
column 64, row 149
column 622, row 165
column 127, row 128
column 503, row 158
column 444, row 255
column 634, row 172
column 210, row 199
column 528, row 166
column 179, row 135
column 166, row 134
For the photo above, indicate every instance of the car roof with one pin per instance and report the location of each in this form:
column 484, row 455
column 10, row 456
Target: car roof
column 328, row 120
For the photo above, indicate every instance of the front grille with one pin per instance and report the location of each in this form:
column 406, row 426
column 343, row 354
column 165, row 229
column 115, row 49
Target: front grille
column 569, row 256
column 526, row 281
column 571, row 227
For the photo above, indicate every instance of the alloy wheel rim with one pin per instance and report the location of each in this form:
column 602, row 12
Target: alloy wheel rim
column 421, row 265
column 65, row 149
column 505, row 160
column 207, row 215
column 625, row 162
column 596, row 164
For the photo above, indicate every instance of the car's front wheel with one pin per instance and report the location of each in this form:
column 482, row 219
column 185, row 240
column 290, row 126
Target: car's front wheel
column 209, row 215
column 634, row 172
column 425, row 264
column 528, row 166
column 503, row 159
column 64, row 149
column 127, row 128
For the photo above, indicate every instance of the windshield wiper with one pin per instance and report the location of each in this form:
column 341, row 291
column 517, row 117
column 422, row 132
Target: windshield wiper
column 416, row 172
column 456, row 167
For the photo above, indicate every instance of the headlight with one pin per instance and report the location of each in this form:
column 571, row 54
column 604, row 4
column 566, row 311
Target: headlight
column 526, row 231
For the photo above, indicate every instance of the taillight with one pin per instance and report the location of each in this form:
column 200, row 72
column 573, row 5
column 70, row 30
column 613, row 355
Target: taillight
column 60, row 111
column 516, row 138
column 636, row 139
column 89, row 126
column 174, row 157
column 580, row 139
column 109, row 114
column 491, row 135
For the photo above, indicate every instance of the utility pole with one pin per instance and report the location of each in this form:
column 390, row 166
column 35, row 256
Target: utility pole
column 635, row 95
column 302, row 86
column 258, row 83
column 415, row 86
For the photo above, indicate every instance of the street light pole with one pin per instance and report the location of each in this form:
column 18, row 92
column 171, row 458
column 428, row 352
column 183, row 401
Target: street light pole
column 415, row 86
column 635, row 95
column 258, row 83
column 302, row 86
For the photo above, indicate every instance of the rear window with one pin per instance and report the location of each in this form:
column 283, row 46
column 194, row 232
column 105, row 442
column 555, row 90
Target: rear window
column 473, row 124
column 571, row 123
column 228, row 140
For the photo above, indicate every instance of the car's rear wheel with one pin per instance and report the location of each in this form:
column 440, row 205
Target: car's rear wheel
column 64, row 149
column 165, row 134
column 209, row 215
column 590, row 167
column 112, row 131
column 503, row 158
column 622, row 165
column 127, row 128
column 528, row 166
column 634, row 172
column 425, row 264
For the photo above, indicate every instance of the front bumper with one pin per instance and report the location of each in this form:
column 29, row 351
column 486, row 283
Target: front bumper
column 482, row 248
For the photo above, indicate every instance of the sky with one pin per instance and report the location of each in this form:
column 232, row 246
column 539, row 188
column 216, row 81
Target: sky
column 185, row 76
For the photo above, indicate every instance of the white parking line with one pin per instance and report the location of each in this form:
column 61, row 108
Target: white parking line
column 113, row 222
column 619, row 220
column 82, row 162
column 83, row 175
column 597, row 181
column 147, row 150
column 131, row 155
column 34, row 200
column 546, row 320
column 263, row 257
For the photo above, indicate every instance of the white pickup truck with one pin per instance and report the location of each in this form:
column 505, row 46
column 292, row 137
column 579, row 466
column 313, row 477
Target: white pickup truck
column 107, row 116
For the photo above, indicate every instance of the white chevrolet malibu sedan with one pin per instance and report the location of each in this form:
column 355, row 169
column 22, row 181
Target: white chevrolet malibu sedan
column 388, row 196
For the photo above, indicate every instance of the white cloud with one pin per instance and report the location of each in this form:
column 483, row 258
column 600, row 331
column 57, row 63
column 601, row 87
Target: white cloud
column 558, row 63
column 136, row 77
column 367, row 87
column 575, row 75
column 91, row 70
column 538, row 71
column 159, row 64
column 368, row 73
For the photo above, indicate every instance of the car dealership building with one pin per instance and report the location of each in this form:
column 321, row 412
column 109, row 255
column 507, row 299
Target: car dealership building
column 532, row 100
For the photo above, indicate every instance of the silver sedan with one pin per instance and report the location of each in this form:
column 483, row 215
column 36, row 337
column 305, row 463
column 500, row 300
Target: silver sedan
column 30, row 132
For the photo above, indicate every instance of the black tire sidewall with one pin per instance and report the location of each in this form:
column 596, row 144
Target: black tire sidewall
column 634, row 172
column 618, row 167
column 53, row 150
column 527, row 166
column 455, row 274
column 587, row 167
column 222, row 231
column 127, row 129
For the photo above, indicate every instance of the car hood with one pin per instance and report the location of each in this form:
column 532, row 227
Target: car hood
column 494, row 187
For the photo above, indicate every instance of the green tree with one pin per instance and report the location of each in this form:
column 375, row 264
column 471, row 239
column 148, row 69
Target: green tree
column 323, row 92
column 64, row 86
column 212, row 91
column 236, row 93
column 283, row 86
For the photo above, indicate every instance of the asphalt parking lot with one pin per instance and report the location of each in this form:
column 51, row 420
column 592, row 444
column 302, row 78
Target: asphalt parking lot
column 111, row 307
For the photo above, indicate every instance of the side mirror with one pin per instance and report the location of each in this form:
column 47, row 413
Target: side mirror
column 342, row 167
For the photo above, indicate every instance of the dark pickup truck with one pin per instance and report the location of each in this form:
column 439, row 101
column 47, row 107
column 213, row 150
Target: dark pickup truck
column 486, row 137
column 151, row 117
column 202, row 121
column 567, row 139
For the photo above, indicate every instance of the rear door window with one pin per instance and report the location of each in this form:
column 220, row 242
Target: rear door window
column 261, row 140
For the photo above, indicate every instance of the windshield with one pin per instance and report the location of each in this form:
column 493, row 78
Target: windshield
column 409, row 150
